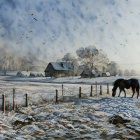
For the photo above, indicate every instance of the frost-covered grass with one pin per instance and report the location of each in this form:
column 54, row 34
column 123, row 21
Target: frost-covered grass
column 85, row 118
column 78, row 119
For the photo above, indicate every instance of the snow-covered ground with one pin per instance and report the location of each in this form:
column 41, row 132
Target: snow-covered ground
column 97, row 117
column 66, row 80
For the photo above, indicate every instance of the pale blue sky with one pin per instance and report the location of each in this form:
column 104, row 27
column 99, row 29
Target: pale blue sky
column 51, row 28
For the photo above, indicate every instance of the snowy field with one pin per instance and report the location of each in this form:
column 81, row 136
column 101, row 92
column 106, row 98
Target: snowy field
column 66, row 80
column 97, row 117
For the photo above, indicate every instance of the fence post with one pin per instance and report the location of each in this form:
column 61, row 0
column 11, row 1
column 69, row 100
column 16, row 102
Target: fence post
column 96, row 88
column 63, row 91
column 14, row 91
column 91, row 91
column 56, row 96
column 107, row 88
column 3, row 103
column 26, row 99
column 101, row 90
column 79, row 92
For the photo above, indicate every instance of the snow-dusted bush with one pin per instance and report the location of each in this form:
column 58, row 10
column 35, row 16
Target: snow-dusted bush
column 36, row 74
column 22, row 74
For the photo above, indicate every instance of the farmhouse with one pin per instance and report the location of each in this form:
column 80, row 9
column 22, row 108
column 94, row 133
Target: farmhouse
column 59, row 69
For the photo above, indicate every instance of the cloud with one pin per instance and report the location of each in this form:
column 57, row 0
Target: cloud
column 49, row 29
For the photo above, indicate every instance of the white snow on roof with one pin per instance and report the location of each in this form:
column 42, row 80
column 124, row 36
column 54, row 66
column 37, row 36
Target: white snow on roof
column 62, row 65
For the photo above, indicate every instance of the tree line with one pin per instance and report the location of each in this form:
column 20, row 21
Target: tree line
column 92, row 58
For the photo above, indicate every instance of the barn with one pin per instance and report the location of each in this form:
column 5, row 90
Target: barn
column 59, row 69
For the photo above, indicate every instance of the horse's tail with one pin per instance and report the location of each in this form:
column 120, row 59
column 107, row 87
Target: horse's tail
column 137, row 89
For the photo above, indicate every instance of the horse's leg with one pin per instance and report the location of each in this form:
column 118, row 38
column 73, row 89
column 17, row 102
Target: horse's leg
column 124, row 93
column 137, row 94
column 133, row 89
column 120, row 93
column 137, row 89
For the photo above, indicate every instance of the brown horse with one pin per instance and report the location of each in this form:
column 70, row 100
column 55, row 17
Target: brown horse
column 122, row 84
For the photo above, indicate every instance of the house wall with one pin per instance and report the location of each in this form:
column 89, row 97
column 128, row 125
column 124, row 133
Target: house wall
column 59, row 74
column 84, row 76
column 104, row 75
column 49, row 71
column 87, row 76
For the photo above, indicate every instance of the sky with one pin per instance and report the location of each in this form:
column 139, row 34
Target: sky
column 49, row 29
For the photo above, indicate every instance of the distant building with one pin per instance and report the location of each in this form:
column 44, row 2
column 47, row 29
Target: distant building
column 89, row 74
column 93, row 74
column 106, row 74
column 81, row 68
column 59, row 69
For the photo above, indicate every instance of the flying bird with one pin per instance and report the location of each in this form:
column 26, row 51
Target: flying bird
column 35, row 19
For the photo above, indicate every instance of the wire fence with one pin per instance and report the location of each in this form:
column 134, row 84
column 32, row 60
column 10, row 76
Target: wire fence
column 14, row 98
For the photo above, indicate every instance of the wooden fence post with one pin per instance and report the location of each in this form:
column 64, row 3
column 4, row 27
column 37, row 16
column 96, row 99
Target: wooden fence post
column 91, row 91
column 63, row 91
column 14, row 91
column 3, row 103
column 56, row 96
column 101, row 90
column 107, row 88
column 79, row 92
column 26, row 95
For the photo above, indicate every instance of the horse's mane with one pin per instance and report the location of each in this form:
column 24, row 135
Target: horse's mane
column 117, row 82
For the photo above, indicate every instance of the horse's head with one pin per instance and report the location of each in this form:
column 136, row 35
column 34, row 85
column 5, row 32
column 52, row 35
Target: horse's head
column 113, row 92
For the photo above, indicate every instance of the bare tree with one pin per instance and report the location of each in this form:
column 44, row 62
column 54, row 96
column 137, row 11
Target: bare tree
column 120, row 72
column 92, row 57
column 69, row 57
column 126, row 72
column 113, row 68
column 133, row 72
